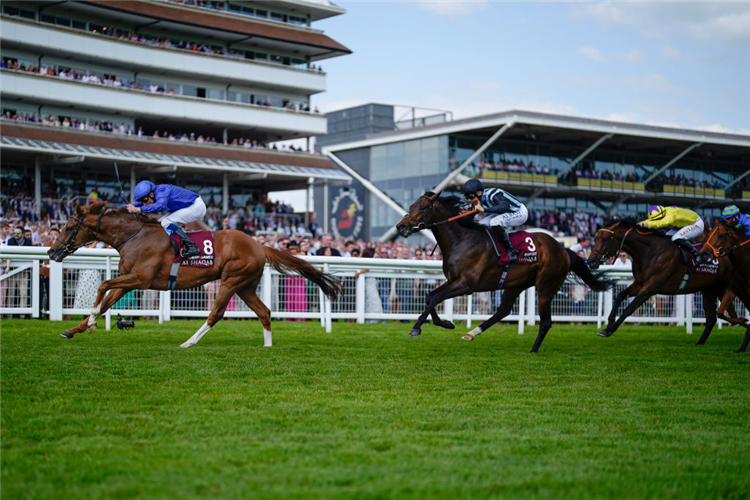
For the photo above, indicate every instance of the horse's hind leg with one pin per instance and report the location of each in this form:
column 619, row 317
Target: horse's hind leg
column 506, row 306
column 250, row 297
column 222, row 299
column 546, row 289
column 632, row 307
column 709, row 307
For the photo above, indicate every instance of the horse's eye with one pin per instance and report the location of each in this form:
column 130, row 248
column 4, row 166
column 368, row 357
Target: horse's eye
column 423, row 208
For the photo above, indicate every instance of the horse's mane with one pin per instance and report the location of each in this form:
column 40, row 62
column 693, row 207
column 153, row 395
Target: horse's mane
column 632, row 223
column 97, row 208
column 454, row 205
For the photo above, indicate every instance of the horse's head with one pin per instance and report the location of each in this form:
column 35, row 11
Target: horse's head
column 607, row 243
column 71, row 237
column 421, row 213
column 723, row 239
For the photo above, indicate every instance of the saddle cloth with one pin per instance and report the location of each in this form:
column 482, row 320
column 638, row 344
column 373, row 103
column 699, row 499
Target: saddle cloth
column 710, row 267
column 524, row 243
column 205, row 242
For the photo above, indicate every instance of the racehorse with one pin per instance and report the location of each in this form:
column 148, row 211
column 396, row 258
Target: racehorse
column 470, row 264
column 146, row 258
column 659, row 268
column 727, row 241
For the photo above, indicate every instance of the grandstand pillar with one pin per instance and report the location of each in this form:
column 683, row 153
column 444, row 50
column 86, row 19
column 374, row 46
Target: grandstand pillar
column 308, row 201
column 225, row 194
column 132, row 182
column 37, row 187
column 583, row 155
column 325, row 206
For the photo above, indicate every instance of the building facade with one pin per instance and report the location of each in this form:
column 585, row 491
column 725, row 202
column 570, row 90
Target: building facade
column 188, row 92
column 554, row 163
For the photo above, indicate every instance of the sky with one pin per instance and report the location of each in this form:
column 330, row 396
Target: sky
column 677, row 64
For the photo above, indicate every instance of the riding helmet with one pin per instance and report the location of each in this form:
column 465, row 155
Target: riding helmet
column 656, row 212
column 730, row 212
column 142, row 189
column 472, row 186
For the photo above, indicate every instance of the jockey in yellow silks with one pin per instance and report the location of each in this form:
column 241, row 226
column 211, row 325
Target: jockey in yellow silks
column 683, row 224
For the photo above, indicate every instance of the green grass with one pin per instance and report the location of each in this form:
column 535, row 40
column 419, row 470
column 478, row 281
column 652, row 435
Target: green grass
column 367, row 412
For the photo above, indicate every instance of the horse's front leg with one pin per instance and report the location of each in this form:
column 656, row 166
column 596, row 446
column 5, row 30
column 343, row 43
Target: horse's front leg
column 630, row 291
column 119, row 286
column 444, row 292
column 632, row 307
column 443, row 323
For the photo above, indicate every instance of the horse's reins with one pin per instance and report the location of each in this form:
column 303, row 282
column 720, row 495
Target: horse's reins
column 68, row 245
column 622, row 243
column 721, row 252
column 420, row 225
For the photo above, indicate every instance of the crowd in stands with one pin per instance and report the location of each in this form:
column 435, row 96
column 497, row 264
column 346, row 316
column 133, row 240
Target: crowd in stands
column 126, row 129
column 93, row 78
column 606, row 175
column 513, row 166
column 680, row 180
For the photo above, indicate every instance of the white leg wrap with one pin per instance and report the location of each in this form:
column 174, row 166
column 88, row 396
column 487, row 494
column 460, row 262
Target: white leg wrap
column 197, row 336
column 476, row 331
column 267, row 338
column 94, row 314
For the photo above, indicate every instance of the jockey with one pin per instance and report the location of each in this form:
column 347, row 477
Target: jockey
column 184, row 207
column 683, row 224
column 736, row 219
column 502, row 210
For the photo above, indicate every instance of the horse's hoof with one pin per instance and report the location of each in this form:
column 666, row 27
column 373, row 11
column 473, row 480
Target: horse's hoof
column 67, row 334
column 448, row 325
column 186, row 345
column 91, row 328
column 468, row 336
column 700, row 342
column 605, row 333
column 415, row 333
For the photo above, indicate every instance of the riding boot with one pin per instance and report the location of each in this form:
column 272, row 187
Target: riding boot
column 688, row 247
column 505, row 240
column 191, row 249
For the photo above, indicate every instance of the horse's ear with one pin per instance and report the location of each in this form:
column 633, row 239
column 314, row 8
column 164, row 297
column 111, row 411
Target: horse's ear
column 79, row 211
column 436, row 195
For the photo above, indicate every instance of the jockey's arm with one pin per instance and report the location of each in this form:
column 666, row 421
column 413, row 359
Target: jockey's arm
column 666, row 221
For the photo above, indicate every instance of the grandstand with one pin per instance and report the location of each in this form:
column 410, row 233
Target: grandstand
column 187, row 92
column 554, row 162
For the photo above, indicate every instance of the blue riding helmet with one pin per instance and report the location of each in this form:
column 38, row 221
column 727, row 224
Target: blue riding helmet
column 472, row 186
column 142, row 189
column 730, row 212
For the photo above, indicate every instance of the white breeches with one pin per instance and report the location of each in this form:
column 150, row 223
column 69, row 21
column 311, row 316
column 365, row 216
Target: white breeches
column 508, row 219
column 186, row 215
column 689, row 232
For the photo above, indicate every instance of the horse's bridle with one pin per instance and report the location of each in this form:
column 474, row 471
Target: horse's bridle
column 721, row 251
column 421, row 225
column 603, row 255
column 68, row 245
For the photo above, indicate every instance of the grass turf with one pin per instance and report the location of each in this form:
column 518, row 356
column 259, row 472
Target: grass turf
column 367, row 412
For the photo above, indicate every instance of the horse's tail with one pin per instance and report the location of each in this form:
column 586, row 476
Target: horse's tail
column 598, row 281
column 287, row 264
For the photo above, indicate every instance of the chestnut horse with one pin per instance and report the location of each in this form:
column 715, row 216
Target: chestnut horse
column 727, row 241
column 146, row 258
column 659, row 268
column 470, row 265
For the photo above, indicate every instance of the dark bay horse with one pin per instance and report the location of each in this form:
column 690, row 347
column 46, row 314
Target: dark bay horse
column 470, row 265
column 727, row 241
column 659, row 268
column 146, row 258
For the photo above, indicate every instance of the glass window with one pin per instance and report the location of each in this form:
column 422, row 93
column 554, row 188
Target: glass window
column 215, row 94
column 46, row 18
column 275, row 16
column 190, row 90
column 298, row 20
column 261, row 13
column 80, row 25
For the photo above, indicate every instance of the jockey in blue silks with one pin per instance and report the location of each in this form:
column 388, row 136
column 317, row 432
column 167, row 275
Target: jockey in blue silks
column 183, row 205
column 736, row 219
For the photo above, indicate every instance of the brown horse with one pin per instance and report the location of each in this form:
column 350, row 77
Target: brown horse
column 658, row 268
column 146, row 258
column 470, row 265
column 727, row 241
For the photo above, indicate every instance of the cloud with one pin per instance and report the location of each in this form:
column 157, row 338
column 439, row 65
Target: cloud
column 716, row 21
column 590, row 53
column 716, row 127
column 453, row 7
column 668, row 52
column 633, row 56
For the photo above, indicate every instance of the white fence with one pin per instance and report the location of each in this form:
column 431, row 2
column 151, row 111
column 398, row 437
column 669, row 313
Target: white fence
column 388, row 289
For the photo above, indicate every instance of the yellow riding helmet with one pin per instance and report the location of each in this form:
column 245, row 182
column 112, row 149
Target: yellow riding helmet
column 656, row 212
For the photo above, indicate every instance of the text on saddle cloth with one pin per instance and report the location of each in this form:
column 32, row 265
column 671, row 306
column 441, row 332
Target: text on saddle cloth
column 524, row 243
column 205, row 242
